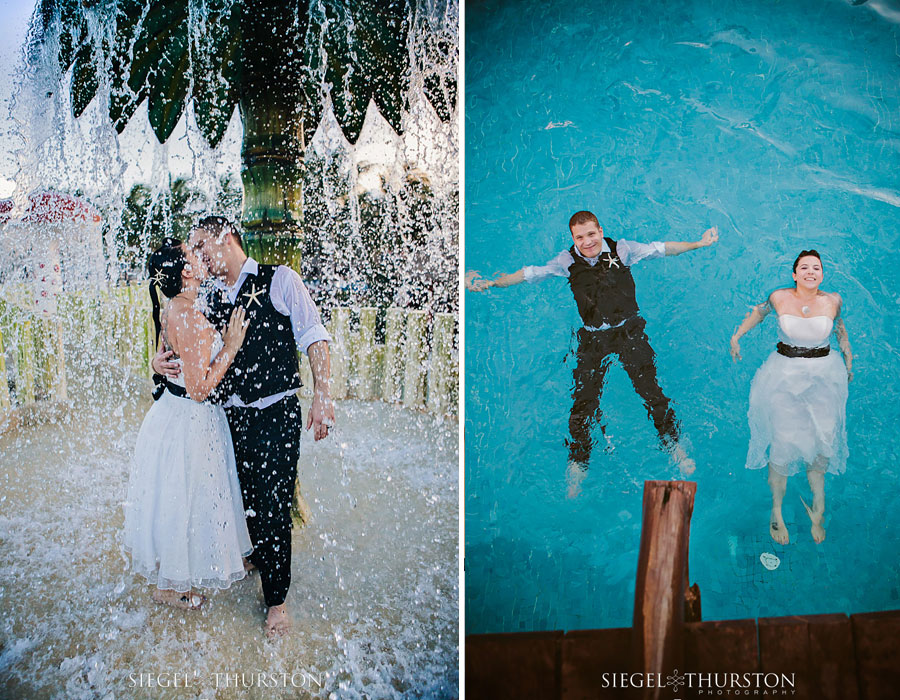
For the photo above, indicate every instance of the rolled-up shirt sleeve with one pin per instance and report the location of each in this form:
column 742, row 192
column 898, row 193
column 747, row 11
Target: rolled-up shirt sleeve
column 291, row 298
column 556, row 267
column 631, row 252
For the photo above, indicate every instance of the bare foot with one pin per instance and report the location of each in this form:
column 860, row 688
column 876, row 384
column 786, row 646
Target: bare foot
column 684, row 463
column 278, row 622
column 182, row 601
column 248, row 567
column 575, row 474
column 777, row 528
column 818, row 532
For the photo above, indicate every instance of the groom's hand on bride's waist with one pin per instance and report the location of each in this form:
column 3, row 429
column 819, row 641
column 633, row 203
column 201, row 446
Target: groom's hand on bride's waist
column 162, row 364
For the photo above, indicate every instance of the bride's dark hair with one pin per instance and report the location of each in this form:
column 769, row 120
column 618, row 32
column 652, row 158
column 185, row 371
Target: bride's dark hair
column 805, row 253
column 165, row 266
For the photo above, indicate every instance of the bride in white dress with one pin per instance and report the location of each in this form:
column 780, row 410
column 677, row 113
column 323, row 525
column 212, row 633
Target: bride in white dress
column 798, row 397
column 184, row 518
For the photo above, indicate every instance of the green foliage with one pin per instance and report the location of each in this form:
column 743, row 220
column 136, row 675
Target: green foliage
column 154, row 49
column 148, row 216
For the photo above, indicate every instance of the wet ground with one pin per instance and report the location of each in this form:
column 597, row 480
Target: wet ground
column 375, row 577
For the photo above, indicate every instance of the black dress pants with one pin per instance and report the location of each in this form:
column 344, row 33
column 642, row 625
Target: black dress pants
column 266, row 449
column 595, row 349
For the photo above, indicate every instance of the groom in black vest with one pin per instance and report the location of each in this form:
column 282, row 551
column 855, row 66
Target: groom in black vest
column 599, row 275
column 259, row 393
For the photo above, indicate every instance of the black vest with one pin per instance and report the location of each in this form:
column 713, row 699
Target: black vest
column 267, row 362
column 604, row 291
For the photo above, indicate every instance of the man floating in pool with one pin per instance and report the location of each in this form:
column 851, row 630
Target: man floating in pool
column 598, row 272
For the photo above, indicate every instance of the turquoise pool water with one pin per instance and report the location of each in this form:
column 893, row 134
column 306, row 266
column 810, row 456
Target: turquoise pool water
column 779, row 122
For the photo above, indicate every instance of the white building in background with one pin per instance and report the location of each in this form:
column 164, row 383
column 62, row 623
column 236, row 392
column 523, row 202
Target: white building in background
column 56, row 243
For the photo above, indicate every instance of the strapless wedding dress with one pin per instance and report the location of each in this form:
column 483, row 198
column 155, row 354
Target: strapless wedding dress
column 798, row 404
column 184, row 517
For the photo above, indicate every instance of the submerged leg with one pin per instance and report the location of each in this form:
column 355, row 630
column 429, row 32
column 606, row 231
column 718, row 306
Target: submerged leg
column 778, row 485
column 816, row 477
column 588, row 379
column 639, row 362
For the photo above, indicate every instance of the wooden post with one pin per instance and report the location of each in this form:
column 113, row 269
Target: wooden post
column 659, row 594
column 365, row 354
column 301, row 514
column 25, row 364
column 393, row 338
column 441, row 362
column 340, row 329
column 4, row 380
column 58, row 386
column 414, row 361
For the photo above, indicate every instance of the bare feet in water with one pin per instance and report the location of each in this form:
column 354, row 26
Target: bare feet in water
column 575, row 474
column 777, row 528
column 818, row 532
column 278, row 622
column 182, row 601
column 683, row 462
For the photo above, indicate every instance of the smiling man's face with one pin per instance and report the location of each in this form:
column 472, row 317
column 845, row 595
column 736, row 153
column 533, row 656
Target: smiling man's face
column 588, row 238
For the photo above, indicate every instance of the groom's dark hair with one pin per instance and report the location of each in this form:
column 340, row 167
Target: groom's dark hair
column 217, row 224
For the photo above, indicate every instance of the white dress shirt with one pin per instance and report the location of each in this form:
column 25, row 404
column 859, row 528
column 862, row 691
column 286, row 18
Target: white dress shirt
column 629, row 253
column 289, row 297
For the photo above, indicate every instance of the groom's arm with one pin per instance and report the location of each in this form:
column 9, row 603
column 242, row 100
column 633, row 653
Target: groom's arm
column 709, row 237
column 321, row 412
column 291, row 297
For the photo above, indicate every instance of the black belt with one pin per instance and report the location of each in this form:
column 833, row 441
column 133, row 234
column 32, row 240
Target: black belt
column 177, row 389
column 161, row 384
column 794, row 351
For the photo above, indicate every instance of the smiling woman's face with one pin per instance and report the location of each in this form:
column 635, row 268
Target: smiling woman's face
column 809, row 272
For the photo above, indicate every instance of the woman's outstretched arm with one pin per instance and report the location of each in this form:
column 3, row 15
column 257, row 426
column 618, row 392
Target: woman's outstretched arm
column 840, row 331
column 751, row 320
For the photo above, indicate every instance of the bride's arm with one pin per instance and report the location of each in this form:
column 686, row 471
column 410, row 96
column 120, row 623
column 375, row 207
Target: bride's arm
column 751, row 320
column 843, row 339
column 195, row 336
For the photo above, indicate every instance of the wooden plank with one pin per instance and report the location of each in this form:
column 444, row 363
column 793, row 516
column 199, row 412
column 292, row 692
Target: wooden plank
column 659, row 595
column 513, row 666
column 395, row 325
column 722, row 646
column 784, row 648
column 339, row 351
column 589, row 654
column 414, row 360
column 832, row 669
column 875, row 637
column 439, row 371
column 365, row 354
column 4, row 380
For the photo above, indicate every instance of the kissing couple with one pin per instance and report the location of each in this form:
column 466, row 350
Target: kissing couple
column 215, row 463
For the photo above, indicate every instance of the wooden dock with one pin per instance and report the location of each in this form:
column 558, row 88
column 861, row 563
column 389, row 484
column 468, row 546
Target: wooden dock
column 671, row 654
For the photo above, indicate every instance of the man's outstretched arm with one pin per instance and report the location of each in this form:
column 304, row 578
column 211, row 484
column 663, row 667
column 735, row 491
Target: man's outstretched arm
column 710, row 236
column 476, row 283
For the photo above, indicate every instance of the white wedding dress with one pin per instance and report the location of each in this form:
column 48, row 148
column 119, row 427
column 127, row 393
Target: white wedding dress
column 184, row 518
column 798, row 404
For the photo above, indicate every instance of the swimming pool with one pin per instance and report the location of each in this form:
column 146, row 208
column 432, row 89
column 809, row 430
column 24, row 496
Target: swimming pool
column 779, row 122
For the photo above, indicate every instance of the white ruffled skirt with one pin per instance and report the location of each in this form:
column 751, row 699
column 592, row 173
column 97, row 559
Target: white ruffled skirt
column 797, row 414
column 184, row 517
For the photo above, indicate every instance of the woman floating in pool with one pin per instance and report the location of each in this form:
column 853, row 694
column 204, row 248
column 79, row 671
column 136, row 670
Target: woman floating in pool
column 798, row 397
